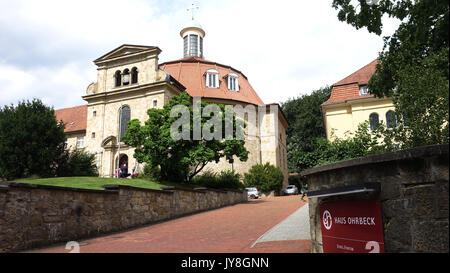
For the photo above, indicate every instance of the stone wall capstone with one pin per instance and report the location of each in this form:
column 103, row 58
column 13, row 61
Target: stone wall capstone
column 34, row 216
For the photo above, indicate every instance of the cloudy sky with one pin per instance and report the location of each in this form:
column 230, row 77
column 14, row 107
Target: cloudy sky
column 286, row 47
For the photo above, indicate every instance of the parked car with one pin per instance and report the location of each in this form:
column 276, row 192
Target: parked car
column 291, row 189
column 253, row 193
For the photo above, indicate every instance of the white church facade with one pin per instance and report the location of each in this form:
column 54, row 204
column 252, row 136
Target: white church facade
column 130, row 80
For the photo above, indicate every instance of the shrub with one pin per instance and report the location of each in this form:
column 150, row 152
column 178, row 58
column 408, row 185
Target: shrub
column 151, row 173
column 207, row 179
column 77, row 163
column 223, row 180
column 230, row 180
column 265, row 177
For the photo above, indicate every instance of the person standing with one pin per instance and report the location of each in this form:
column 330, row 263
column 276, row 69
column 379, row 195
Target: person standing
column 304, row 190
column 125, row 173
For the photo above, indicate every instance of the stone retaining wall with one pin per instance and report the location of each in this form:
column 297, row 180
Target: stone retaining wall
column 414, row 196
column 35, row 215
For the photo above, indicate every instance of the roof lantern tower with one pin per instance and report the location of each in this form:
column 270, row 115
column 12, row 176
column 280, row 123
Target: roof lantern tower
column 192, row 35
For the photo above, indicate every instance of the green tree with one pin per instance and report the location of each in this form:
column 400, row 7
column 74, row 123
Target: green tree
column 422, row 104
column 266, row 177
column 180, row 160
column 413, row 67
column 31, row 140
column 305, row 126
column 77, row 162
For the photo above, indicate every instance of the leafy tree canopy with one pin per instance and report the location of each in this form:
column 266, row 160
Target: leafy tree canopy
column 31, row 140
column 305, row 125
column 266, row 177
column 413, row 67
column 180, row 160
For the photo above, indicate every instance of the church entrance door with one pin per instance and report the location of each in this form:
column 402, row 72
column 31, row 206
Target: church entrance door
column 123, row 160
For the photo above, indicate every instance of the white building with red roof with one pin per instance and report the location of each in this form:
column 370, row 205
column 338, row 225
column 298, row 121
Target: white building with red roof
column 130, row 80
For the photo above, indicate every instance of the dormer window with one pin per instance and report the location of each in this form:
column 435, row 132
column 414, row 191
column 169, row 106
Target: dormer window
column 363, row 90
column 212, row 78
column 232, row 80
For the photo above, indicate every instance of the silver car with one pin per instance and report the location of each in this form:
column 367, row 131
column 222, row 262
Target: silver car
column 252, row 193
column 291, row 189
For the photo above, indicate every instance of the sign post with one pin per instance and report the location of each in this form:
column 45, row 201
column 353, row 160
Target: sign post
column 352, row 227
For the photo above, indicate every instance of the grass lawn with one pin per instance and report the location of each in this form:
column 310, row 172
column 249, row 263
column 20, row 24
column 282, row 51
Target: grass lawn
column 96, row 183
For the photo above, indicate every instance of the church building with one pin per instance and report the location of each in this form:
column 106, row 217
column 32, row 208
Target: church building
column 130, row 80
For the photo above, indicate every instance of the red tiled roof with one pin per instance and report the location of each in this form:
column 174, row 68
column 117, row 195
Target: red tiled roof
column 190, row 73
column 75, row 118
column 348, row 88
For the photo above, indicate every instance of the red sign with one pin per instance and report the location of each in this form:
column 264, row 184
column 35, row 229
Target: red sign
column 352, row 227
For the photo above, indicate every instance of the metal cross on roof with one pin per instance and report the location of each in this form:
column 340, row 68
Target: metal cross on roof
column 192, row 10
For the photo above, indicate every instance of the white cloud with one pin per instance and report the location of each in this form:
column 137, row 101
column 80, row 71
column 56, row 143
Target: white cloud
column 55, row 87
column 285, row 48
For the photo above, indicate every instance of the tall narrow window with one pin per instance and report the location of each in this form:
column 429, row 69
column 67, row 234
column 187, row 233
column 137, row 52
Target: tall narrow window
column 186, row 46
column 124, row 117
column 193, row 45
column 373, row 121
column 80, row 142
column 134, row 75
column 126, row 77
column 201, row 47
column 118, row 78
column 405, row 121
column 391, row 122
column 155, row 103
column 212, row 78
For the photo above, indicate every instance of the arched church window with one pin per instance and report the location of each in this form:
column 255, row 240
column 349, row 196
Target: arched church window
column 405, row 121
column 126, row 77
column 391, row 121
column 118, row 78
column 373, row 121
column 124, row 117
column 212, row 78
column 134, row 75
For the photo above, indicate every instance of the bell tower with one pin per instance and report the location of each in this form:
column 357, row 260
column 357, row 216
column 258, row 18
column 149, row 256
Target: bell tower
column 192, row 35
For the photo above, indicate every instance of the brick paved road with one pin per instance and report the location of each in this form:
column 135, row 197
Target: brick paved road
column 233, row 229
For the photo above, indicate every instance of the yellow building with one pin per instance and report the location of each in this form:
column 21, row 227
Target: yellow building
column 350, row 104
